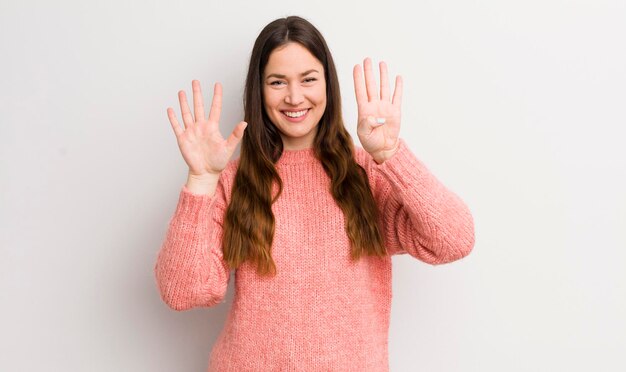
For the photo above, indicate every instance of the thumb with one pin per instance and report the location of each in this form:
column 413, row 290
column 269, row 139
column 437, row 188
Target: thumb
column 375, row 121
column 370, row 124
column 237, row 134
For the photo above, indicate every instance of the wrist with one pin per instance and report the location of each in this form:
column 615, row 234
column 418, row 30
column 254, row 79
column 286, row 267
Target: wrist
column 384, row 155
column 203, row 177
column 202, row 184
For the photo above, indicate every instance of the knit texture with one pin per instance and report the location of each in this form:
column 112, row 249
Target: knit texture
column 321, row 312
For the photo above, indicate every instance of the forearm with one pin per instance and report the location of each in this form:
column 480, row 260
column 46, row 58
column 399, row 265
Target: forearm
column 189, row 270
column 421, row 214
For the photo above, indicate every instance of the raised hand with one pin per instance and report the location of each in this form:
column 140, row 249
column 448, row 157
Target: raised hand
column 380, row 140
column 200, row 142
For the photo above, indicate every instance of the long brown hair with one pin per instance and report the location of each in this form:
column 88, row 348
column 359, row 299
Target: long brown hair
column 249, row 220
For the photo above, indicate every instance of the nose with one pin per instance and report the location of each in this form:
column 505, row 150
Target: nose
column 294, row 95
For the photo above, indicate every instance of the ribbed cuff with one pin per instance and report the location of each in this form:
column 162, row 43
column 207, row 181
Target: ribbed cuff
column 191, row 205
column 403, row 169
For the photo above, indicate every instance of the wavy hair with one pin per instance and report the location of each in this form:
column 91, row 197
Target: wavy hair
column 249, row 221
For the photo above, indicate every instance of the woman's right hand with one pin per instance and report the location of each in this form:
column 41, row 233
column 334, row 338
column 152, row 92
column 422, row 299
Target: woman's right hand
column 200, row 142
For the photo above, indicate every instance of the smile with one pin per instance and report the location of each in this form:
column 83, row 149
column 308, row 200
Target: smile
column 295, row 114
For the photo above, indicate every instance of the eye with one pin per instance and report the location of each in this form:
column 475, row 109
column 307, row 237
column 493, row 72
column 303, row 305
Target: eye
column 310, row 79
column 273, row 82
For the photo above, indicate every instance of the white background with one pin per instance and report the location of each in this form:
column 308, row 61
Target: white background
column 517, row 106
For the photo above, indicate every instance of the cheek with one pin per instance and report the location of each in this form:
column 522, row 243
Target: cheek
column 270, row 101
column 321, row 99
column 269, row 97
column 321, row 95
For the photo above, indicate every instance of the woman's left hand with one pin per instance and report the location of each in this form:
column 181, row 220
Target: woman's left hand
column 380, row 140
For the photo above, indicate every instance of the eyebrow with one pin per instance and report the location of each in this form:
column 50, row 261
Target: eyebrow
column 283, row 76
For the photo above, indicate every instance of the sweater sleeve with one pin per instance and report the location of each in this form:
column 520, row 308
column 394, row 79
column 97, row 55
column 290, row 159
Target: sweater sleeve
column 190, row 270
column 419, row 215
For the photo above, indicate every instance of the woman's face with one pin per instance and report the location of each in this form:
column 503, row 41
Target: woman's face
column 294, row 90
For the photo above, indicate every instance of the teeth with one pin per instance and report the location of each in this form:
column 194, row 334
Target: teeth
column 295, row 114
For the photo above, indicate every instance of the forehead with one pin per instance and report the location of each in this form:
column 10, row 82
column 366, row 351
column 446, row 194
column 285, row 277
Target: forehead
column 291, row 59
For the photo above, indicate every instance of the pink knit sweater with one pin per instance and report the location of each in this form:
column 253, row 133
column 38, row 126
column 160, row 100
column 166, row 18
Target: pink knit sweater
column 321, row 312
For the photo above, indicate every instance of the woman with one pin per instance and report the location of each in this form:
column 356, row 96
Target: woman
column 308, row 221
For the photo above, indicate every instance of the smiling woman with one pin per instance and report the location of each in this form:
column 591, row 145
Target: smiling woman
column 307, row 220
column 294, row 101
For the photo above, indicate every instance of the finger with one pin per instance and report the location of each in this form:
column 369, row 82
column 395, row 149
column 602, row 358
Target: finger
column 236, row 135
column 184, row 109
column 359, row 86
column 384, row 82
column 216, row 104
column 397, row 93
column 174, row 122
column 370, row 82
column 198, row 104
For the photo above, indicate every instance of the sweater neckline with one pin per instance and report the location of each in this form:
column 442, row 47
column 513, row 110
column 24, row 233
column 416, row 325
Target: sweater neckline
column 301, row 156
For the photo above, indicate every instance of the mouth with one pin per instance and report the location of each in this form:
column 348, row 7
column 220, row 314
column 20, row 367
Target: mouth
column 296, row 116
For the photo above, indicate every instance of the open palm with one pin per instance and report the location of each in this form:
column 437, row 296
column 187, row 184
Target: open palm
column 380, row 140
column 201, row 143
